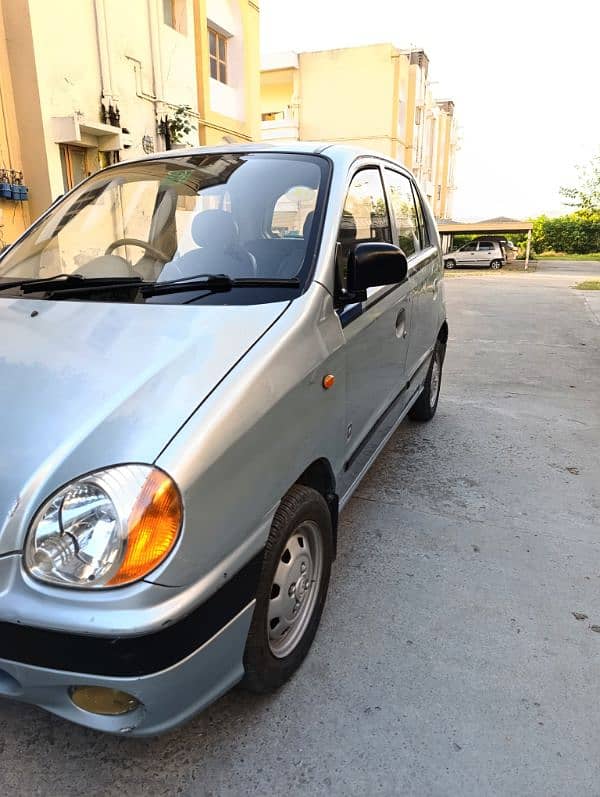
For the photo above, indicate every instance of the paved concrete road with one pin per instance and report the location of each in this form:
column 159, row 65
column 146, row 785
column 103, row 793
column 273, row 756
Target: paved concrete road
column 448, row 661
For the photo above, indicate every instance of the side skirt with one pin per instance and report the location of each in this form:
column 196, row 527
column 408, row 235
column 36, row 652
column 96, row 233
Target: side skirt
column 359, row 477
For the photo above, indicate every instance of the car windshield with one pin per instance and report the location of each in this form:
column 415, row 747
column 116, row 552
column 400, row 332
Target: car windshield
column 250, row 216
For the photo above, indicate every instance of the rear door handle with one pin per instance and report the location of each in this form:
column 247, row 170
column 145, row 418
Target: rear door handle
column 401, row 324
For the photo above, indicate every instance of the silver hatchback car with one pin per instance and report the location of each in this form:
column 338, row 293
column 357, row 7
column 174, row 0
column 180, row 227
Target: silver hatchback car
column 201, row 354
column 477, row 253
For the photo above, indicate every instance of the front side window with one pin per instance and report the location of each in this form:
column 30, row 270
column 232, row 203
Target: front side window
column 469, row 247
column 365, row 215
column 405, row 212
column 243, row 216
column 217, row 46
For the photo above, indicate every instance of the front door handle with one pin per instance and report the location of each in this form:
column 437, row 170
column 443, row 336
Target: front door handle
column 401, row 324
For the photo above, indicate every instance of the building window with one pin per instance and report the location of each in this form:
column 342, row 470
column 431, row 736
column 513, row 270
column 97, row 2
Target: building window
column 217, row 45
column 273, row 116
column 175, row 14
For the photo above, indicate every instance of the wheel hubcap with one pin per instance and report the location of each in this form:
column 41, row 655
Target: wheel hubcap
column 295, row 589
column 434, row 388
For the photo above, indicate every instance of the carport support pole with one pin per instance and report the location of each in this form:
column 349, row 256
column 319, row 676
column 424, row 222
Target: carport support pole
column 528, row 249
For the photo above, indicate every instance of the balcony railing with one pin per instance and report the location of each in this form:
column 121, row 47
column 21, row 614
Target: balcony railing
column 285, row 129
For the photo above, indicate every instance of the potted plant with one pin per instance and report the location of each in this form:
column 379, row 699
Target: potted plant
column 175, row 128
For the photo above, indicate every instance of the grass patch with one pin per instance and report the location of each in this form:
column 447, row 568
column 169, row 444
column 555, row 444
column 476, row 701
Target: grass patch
column 589, row 285
column 564, row 256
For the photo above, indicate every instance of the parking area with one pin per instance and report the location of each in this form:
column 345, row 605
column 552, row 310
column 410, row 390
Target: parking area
column 449, row 660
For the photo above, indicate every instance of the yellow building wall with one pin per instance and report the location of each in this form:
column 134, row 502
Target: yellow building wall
column 439, row 177
column 14, row 216
column 445, row 165
column 65, row 55
column 376, row 97
column 145, row 59
column 347, row 95
column 276, row 90
column 216, row 127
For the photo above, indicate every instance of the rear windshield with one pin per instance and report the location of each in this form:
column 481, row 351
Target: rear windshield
column 247, row 216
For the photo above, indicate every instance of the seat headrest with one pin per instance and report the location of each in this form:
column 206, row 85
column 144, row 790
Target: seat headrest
column 306, row 228
column 214, row 228
column 348, row 226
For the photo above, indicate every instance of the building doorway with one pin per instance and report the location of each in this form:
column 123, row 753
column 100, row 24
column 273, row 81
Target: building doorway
column 74, row 164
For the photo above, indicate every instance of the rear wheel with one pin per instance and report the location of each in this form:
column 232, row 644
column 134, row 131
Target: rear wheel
column 449, row 263
column 292, row 590
column 425, row 406
column 496, row 264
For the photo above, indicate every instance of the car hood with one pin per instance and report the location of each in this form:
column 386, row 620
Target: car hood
column 84, row 385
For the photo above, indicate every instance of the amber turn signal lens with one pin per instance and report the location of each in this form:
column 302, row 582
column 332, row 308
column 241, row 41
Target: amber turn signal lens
column 102, row 700
column 154, row 525
column 328, row 381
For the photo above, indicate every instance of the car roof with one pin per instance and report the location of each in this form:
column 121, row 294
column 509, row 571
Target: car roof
column 340, row 154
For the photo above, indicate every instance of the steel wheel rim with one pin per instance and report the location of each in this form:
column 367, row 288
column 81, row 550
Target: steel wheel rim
column 295, row 589
column 434, row 385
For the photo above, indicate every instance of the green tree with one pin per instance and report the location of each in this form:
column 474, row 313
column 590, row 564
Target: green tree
column 586, row 195
column 577, row 233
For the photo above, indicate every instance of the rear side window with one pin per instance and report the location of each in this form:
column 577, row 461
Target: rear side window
column 425, row 240
column 365, row 216
column 405, row 212
column 485, row 246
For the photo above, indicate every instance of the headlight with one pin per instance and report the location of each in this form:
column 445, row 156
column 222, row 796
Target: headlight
column 109, row 528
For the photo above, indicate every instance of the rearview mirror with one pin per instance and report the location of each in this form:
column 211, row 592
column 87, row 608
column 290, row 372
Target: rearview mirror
column 372, row 264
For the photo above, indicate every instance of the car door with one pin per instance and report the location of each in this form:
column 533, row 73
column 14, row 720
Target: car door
column 423, row 265
column 466, row 256
column 485, row 251
column 376, row 331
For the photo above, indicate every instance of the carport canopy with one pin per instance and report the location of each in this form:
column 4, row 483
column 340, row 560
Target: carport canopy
column 500, row 226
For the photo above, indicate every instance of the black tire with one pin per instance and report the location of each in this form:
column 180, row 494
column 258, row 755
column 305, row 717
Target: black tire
column 425, row 406
column 265, row 672
column 449, row 263
column 495, row 264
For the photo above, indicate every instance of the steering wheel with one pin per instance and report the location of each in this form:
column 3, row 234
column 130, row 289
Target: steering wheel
column 155, row 253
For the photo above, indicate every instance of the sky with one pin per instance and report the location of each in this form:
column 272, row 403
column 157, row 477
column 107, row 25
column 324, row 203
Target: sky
column 525, row 80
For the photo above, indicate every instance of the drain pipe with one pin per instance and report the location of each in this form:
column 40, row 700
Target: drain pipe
column 139, row 88
column 103, row 51
column 154, row 26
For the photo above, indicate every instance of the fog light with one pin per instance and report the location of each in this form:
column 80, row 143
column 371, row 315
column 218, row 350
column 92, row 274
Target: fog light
column 101, row 700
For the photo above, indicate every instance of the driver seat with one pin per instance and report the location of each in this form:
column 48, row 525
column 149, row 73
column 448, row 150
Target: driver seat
column 219, row 250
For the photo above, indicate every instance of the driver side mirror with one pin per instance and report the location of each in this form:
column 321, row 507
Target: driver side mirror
column 372, row 264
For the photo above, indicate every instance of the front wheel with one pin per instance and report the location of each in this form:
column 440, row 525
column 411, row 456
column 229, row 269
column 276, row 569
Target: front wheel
column 425, row 406
column 292, row 590
column 449, row 263
column 496, row 264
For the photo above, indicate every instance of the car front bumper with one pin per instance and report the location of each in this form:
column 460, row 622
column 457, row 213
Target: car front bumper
column 173, row 666
column 166, row 698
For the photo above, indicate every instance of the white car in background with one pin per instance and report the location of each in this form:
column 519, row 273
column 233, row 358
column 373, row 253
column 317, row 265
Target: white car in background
column 480, row 254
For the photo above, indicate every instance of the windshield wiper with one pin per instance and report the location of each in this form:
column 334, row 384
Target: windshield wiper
column 76, row 284
column 4, row 286
column 67, row 283
column 215, row 283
